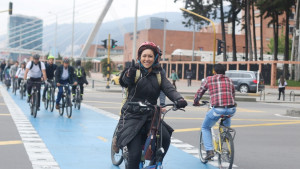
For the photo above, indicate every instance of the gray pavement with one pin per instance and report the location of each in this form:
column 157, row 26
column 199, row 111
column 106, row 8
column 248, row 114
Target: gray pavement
column 12, row 151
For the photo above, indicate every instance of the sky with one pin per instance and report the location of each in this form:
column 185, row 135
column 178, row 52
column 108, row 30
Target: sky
column 86, row 11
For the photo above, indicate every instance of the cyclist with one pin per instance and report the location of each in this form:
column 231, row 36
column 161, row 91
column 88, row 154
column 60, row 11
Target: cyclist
column 134, row 123
column 13, row 71
column 64, row 75
column 35, row 69
column 80, row 75
column 222, row 100
column 50, row 69
column 6, row 74
column 2, row 67
column 20, row 74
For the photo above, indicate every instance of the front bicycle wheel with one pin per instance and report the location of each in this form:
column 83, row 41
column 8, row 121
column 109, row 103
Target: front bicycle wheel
column 69, row 107
column 52, row 99
column 21, row 92
column 62, row 107
column 15, row 87
column 202, row 151
column 116, row 158
column 226, row 156
column 46, row 103
column 35, row 105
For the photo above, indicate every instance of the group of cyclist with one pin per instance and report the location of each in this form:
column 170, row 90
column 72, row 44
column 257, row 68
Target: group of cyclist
column 144, row 82
column 36, row 72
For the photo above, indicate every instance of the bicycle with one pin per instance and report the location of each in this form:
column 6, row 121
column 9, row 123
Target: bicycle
column 50, row 96
column 66, row 101
column 77, row 102
column 151, row 151
column 222, row 142
column 22, row 89
column 33, row 103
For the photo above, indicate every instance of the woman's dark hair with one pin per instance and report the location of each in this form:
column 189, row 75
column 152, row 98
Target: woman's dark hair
column 220, row 69
column 282, row 80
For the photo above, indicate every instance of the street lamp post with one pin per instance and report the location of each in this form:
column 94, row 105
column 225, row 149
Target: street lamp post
column 55, row 36
column 72, row 50
column 164, row 42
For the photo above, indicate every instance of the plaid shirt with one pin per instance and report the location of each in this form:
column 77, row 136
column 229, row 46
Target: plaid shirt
column 221, row 90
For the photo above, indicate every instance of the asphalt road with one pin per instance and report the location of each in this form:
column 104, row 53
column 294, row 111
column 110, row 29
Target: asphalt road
column 264, row 140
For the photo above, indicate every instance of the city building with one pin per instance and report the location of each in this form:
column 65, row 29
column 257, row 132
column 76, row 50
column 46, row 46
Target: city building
column 24, row 32
column 97, row 51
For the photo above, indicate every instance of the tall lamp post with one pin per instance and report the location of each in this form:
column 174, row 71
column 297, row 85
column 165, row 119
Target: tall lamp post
column 164, row 42
column 55, row 36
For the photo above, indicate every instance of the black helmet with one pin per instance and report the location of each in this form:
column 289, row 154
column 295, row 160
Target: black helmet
column 36, row 56
column 78, row 62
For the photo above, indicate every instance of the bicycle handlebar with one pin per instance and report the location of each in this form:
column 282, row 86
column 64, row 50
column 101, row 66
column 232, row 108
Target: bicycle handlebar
column 145, row 104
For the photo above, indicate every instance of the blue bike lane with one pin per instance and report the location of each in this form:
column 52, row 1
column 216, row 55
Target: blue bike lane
column 83, row 142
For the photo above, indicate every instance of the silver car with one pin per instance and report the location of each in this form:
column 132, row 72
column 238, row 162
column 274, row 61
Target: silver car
column 246, row 81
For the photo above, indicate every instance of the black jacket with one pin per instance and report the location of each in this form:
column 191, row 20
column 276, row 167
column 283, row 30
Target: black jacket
column 59, row 72
column 50, row 69
column 146, row 88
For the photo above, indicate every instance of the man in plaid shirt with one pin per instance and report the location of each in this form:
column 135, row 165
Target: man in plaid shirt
column 222, row 100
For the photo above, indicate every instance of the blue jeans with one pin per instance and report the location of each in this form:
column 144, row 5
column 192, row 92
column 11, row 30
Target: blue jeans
column 60, row 90
column 212, row 116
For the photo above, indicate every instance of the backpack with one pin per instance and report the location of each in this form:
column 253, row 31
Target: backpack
column 32, row 66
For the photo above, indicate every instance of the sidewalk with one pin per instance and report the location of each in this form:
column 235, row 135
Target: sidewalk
column 12, row 150
column 271, row 94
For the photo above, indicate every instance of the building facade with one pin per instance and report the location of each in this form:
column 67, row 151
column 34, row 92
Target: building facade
column 24, row 32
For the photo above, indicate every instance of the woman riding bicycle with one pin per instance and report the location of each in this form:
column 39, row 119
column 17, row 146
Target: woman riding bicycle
column 134, row 123
column 20, row 74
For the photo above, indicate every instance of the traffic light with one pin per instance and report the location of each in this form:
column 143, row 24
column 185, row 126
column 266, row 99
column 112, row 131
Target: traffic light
column 104, row 43
column 10, row 8
column 113, row 43
column 220, row 46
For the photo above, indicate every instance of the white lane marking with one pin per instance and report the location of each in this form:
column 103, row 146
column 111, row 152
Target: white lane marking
column 279, row 115
column 174, row 142
column 38, row 153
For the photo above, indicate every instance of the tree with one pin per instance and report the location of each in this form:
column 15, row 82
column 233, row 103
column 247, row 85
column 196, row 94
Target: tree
column 236, row 7
column 249, row 30
column 286, row 8
column 281, row 45
column 104, row 66
column 88, row 66
column 271, row 9
column 254, row 30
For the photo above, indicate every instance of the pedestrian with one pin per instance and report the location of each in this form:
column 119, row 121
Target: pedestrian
column 281, row 87
column 174, row 77
column 189, row 75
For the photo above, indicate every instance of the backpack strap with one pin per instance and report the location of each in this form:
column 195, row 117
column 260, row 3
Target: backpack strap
column 137, row 75
column 39, row 65
column 158, row 76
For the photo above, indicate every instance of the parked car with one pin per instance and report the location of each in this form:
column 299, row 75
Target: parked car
column 115, row 79
column 246, row 81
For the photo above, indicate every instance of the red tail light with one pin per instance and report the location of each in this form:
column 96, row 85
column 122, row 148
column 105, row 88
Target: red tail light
column 255, row 81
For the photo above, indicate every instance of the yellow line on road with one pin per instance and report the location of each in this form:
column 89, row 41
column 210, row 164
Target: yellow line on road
column 2, row 104
column 5, row 114
column 196, row 118
column 239, row 126
column 102, row 138
column 3, row 143
column 92, row 101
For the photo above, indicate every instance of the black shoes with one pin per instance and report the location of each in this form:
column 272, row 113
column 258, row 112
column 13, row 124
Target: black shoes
column 209, row 155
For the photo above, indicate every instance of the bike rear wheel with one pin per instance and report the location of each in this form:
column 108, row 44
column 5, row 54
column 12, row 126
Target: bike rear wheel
column 78, row 99
column 116, row 158
column 202, row 151
column 15, row 87
column 225, row 158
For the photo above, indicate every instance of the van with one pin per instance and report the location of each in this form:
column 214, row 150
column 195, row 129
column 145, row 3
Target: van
column 246, row 81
